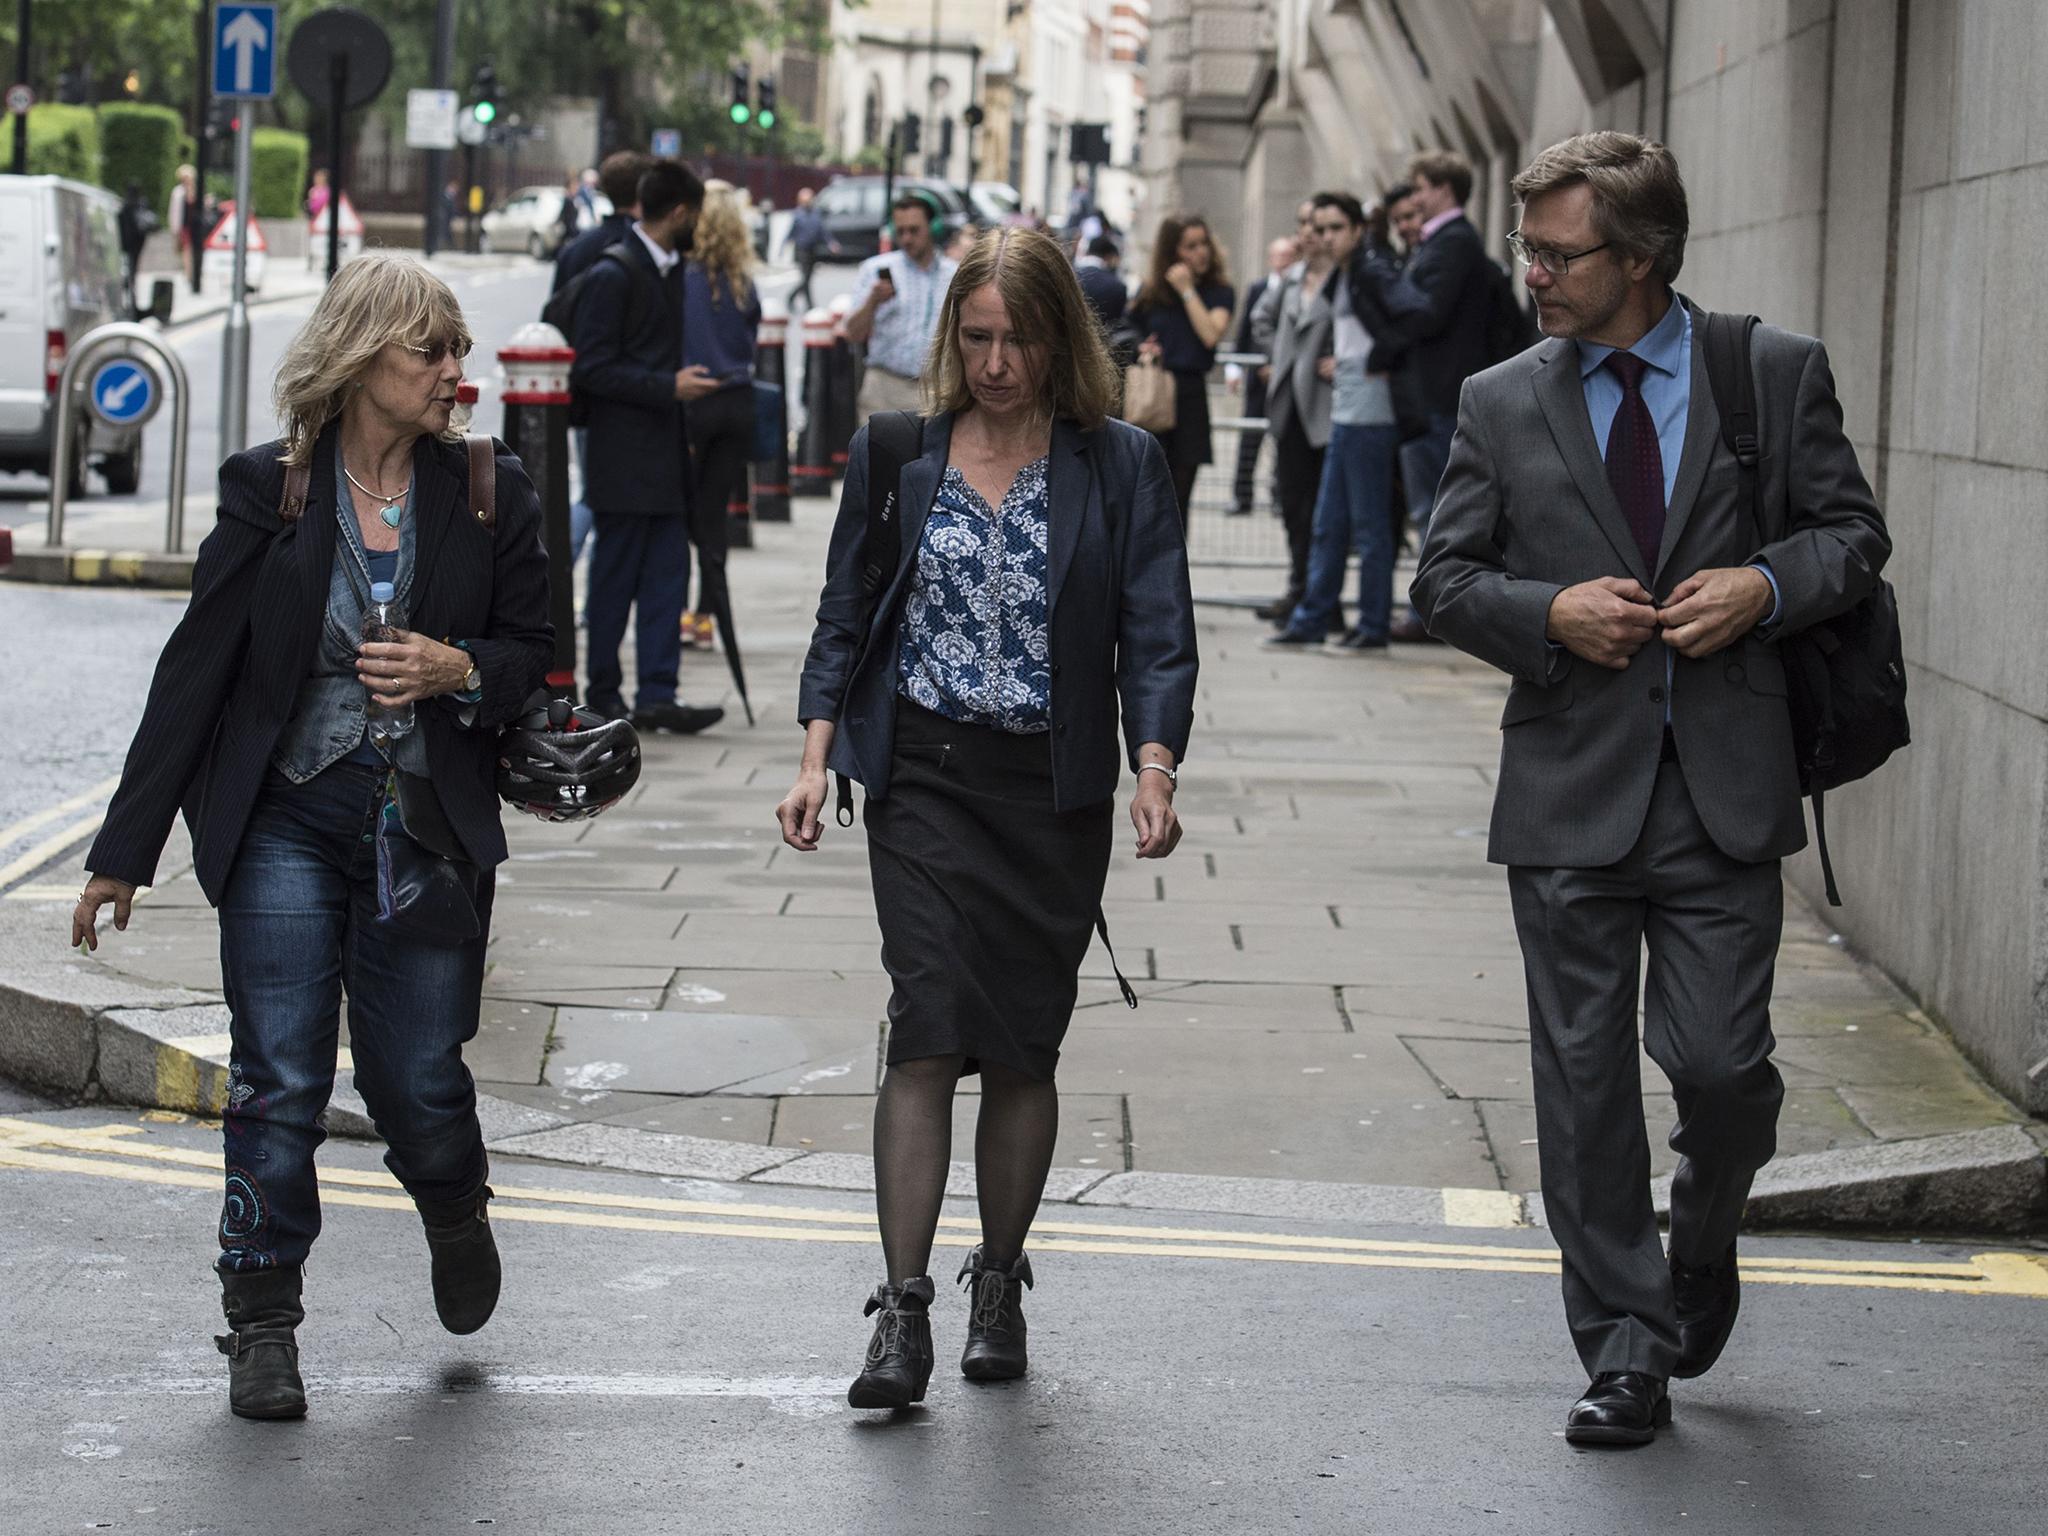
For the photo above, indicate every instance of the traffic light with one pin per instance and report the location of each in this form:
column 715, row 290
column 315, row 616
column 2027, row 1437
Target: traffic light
column 764, row 113
column 973, row 117
column 485, row 88
column 913, row 132
column 741, row 111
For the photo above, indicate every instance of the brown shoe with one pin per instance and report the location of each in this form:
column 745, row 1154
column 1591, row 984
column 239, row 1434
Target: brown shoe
column 1408, row 630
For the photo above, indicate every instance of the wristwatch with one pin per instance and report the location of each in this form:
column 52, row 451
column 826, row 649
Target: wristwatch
column 1172, row 774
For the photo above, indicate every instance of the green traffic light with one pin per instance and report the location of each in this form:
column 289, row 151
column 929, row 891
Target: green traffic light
column 740, row 113
column 484, row 111
column 766, row 118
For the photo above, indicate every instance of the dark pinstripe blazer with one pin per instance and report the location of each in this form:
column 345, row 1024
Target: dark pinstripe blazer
column 229, row 674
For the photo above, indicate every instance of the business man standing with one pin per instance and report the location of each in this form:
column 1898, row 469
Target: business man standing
column 1591, row 539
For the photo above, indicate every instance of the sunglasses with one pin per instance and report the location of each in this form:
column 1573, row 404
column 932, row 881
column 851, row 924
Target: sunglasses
column 434, row 351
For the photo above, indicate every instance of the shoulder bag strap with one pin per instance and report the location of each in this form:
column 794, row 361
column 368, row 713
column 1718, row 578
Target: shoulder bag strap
column 894, row 438
column 298, row 482
column 483, row 480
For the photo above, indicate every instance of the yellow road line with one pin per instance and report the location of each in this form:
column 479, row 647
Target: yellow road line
column 1988, row 1274
column 50, row 847
column 10, row 835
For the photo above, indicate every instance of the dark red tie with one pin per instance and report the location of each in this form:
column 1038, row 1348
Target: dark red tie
column 1635, row 467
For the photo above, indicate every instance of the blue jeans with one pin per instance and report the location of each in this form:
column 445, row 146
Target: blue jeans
column 641, row 565
column 1353, row 511
column 298, row 925
column 1422, row 467
column 581, row 518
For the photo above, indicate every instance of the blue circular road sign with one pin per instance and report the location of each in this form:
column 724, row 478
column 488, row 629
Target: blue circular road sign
column 125, row 392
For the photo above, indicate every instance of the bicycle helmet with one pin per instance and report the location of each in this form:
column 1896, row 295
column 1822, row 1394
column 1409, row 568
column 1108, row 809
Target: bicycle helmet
column 564, row 764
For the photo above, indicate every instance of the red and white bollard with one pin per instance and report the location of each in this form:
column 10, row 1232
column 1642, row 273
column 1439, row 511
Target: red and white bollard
column 536, row 365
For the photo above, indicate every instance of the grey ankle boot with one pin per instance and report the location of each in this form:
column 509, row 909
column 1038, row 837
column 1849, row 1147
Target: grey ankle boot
column 467, row 1273
column 263, row 1312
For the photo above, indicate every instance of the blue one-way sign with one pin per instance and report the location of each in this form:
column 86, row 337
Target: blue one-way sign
column 124, row 391
column 245, row 50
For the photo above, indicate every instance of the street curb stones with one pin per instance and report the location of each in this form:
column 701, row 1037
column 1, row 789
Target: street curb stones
column 75, row 1029
column 102, row 568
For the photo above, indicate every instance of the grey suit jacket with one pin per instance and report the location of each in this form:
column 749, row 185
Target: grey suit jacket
column 1294, row 331
column 1525, row 511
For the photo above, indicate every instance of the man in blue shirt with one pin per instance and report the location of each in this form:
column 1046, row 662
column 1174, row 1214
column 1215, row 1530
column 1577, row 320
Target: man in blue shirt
column 810, row 243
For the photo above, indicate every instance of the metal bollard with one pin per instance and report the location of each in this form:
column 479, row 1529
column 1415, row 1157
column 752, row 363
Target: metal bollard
column 844, row 372
column 91, row 348
column 536, row 367
column 739, row 516
column 771, row 476
column 811, row 474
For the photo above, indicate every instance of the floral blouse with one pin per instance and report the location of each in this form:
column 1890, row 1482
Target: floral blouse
column 975, row 640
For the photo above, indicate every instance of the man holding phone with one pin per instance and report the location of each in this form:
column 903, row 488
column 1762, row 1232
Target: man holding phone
column 896, row 311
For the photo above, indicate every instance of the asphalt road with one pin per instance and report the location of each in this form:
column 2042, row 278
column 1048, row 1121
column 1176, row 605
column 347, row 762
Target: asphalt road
column 671, row 1356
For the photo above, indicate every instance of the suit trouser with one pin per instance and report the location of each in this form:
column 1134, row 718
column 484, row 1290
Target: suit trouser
column 641, row 565
column 1711, row 925
column 1297, row 474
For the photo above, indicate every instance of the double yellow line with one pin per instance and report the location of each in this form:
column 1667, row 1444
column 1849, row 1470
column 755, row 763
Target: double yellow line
column 51, row 847
column 122, row 1152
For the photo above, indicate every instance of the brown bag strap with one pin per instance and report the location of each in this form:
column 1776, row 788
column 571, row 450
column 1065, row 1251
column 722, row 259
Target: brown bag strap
column 298, row 480
column 483, row 480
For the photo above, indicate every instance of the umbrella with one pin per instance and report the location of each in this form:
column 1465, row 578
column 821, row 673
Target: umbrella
column 717, row 597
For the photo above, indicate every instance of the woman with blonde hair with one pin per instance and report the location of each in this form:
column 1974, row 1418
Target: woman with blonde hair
column 1037, row 591
column 721, row 314
column 312, row 767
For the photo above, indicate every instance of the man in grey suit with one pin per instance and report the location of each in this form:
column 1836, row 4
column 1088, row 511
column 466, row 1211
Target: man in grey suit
column 1291, row 324
column 1590, row 540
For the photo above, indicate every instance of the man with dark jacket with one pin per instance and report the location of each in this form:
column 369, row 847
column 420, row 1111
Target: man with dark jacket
column 1102, row 285
column 1441, row 302
column 629, row 346
column 619, row 178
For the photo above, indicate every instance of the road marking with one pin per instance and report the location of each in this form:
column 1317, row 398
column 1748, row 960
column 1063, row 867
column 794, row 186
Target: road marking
column 1984, row 1274
column 50, row 847
column 22, row 828
column 800, row 1392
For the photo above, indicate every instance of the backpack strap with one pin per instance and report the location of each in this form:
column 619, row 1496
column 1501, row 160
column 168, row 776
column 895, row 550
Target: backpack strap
column 1733, row 380
column 298, row 483
column 894, row 439
column 483, row 480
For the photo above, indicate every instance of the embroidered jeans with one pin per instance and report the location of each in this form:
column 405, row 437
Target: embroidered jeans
column 298, row 925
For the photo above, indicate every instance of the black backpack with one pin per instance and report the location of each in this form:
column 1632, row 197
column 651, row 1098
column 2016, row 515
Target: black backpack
column 1846, row 676
column 1510, row 327
column 560, row 312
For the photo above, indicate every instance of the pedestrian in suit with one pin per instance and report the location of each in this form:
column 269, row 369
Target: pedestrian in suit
column 1102, row 283
column 1591, row 540
column 1040, row 591
column 256, row 725
column 1281, row 256
column 637, row 477
column 1292, row 325
column 1441, row 299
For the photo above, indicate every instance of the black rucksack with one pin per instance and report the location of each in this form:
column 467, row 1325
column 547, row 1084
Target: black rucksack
column 1845, row 678
column 1510, row 327
column 560, row 312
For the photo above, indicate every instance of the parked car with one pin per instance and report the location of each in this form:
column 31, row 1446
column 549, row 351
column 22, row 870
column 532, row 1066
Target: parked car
column 856, row 207
column 60, row 277
column 529, row 221
column 994, row 201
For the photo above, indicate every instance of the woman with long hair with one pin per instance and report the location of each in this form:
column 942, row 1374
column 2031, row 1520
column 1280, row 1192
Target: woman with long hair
column 1039, row 593
column 721, row 315
column 1183, row 312
column 272, row 723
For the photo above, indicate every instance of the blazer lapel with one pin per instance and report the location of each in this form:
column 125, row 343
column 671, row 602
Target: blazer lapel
column 1702, row 433
column 1563, row 398
column 1069, row 488
column 919, row 488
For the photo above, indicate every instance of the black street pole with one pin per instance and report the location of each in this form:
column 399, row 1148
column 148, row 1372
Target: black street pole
column 21, row 17
column 337, row 94
column 195, row 210
column 436, row 172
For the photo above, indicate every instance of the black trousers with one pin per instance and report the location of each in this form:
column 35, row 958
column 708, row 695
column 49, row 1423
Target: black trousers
column 721, row 430
column 1243, row 485
column 1297, row 472
column 1711, row 925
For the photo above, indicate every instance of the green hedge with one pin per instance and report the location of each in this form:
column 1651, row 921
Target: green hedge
column 139, row 143
column 277, row 172
column 63, row 141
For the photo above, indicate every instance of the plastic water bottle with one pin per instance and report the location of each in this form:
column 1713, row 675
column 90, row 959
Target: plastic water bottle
column 384, row 621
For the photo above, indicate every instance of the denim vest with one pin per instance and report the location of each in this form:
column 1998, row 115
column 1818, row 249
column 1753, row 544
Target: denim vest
column 329, row 715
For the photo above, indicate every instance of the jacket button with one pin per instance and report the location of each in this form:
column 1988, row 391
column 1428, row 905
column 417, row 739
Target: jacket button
column 1055, row 669
column 1735, row 673
column 1656, row 695
column 1059, row 730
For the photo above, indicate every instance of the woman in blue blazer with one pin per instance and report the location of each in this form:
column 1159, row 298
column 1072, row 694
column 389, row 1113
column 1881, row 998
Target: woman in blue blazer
column 1040, row 591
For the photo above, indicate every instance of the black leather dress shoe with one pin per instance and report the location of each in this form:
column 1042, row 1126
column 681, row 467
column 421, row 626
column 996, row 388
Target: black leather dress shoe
column 1278, row 609
column 1620, row 1408
column 1707, row 1301
column 899, row 1359
column 683, row 719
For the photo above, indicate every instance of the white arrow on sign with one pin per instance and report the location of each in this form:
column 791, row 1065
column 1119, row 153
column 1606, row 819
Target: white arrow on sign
column 115, row 396
column 246, row 36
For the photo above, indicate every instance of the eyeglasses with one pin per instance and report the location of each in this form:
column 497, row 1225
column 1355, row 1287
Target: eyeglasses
column 432, row 353
column 1556, row 263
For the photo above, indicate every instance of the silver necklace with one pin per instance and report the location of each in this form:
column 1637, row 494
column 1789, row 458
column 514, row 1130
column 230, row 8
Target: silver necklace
column 394, row 506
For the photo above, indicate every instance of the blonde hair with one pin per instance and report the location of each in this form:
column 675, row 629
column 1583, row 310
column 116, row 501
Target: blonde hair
column 377, row 298
column 1638, row 197
column 1045, row 305
column 723, row 248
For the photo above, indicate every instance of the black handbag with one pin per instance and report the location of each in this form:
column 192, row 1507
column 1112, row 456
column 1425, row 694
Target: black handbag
column 426, row 885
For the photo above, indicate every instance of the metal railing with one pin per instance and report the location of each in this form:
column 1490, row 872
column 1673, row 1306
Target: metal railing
column 92, row 346
column 1232, row 517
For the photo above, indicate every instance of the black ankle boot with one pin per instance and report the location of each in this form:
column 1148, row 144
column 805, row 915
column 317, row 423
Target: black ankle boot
column 262, row 1346
column 899, row 1360
column 466, row 1269
column 995, row 1326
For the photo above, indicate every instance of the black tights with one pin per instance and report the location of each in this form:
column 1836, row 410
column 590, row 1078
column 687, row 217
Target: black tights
column 1013, row 1141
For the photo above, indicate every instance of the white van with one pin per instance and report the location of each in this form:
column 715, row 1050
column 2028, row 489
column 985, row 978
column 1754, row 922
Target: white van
column 60, row 276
